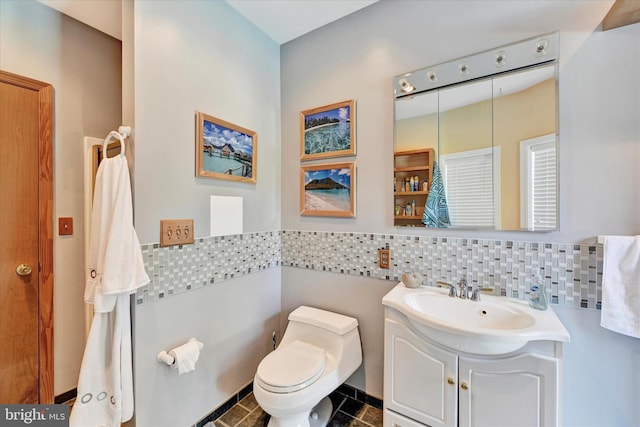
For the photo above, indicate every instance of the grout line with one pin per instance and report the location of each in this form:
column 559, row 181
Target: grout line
column 250, row 411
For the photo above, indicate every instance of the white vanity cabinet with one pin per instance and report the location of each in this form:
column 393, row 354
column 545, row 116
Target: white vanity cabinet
column 429, row 384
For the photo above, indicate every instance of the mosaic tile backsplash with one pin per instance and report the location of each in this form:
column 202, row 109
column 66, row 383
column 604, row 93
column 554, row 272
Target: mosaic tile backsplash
column 573, row 273
column 177, row 269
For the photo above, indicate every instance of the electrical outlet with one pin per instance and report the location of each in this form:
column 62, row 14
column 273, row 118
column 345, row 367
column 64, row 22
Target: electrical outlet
column 176, row 232
column 384, row 258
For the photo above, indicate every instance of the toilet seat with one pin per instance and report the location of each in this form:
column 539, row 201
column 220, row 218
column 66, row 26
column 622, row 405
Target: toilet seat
column 291, row 367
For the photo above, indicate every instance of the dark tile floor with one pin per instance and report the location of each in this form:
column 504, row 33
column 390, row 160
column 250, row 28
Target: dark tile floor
column 347, row 412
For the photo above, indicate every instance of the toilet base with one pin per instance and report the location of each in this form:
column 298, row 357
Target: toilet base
column 319, row 417
column 321, row 413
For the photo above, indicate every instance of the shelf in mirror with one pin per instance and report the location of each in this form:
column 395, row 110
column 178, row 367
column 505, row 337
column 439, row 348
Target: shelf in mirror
column 413, row 171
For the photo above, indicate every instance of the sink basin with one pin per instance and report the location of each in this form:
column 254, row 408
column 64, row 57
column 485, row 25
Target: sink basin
column 494, row 325
column 466, row 314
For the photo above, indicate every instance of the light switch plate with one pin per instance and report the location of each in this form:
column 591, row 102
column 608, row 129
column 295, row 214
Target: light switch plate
column 176, row 232
column 65, row 226
column 384, row 258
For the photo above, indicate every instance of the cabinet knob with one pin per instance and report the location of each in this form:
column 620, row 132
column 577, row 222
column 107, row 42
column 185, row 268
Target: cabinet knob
column 451, row 381
column 464, row 386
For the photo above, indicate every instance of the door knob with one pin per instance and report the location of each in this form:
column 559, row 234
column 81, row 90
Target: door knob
column 23, row 270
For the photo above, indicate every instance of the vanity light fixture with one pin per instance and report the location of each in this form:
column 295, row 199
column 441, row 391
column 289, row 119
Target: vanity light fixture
column 406, row 86
column 541, row 48
column 501, row 59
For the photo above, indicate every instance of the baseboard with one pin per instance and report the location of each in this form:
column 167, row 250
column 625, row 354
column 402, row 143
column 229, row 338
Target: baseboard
column 344, row 389
column 66, row 396
column 360, row 396
column 222, row 409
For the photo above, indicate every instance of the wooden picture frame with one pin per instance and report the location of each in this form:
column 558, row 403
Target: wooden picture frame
column 328, row 131
column 328, row 190
column 225, row 151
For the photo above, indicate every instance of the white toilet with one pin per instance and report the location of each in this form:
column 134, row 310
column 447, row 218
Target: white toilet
column 318, row 352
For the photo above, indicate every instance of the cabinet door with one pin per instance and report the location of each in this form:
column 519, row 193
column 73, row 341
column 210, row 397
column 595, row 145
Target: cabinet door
column 516, row 391
column 419, row 379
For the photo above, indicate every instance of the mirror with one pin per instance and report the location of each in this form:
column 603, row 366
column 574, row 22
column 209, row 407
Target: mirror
column 525, row 129
column 465, row 154
column 495, row 142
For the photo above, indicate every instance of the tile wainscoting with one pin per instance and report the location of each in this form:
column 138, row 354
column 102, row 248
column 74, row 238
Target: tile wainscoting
column 177, row 269
column 573, row 272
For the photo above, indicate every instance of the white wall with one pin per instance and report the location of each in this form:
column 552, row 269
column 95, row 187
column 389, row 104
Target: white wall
column 233, row 319
column 84, row 67
column 202, row 56
column 600, row 373
column 356, row 58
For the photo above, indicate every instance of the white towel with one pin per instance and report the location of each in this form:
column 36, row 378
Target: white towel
column 115, row 260
column 105, row 386
column 621, row 285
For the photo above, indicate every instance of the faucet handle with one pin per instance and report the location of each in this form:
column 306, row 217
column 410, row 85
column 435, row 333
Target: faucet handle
column 452, row 289
column 475, row 294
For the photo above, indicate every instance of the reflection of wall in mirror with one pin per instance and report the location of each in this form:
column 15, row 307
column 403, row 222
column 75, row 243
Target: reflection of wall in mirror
column 416, row 133
column 517, row 117
column 466, row 128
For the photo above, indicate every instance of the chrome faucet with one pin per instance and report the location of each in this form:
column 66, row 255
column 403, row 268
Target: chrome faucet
column 452, row 289
column 463, row 291
column 475, row 294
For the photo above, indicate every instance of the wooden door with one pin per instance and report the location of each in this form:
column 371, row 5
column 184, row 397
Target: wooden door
column 26, row 241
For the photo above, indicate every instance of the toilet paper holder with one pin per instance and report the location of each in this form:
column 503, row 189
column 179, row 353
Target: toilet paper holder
column 165, row 358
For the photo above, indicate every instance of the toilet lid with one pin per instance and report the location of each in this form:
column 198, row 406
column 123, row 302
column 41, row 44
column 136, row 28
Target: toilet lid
column 291, row 367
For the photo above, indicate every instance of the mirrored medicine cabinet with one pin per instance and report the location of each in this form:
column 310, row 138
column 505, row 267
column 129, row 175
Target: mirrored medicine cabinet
column 476, row 140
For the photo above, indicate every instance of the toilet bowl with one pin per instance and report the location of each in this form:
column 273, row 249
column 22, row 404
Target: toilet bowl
column 318, row 352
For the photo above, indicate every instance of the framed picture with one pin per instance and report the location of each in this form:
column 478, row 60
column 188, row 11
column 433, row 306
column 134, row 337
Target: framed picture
column 328, row 190
column 328, row 131
column 225, row 151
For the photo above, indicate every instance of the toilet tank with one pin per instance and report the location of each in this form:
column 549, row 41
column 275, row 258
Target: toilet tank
column 335, row 333
column 333, row 322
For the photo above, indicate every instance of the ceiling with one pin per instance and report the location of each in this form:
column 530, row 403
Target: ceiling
column 285, row 20
column 282, row 20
